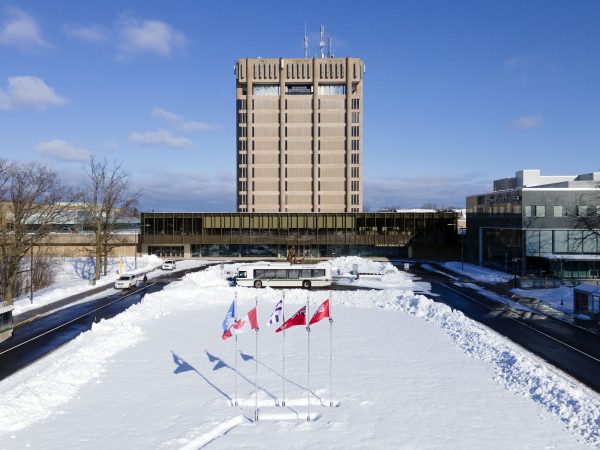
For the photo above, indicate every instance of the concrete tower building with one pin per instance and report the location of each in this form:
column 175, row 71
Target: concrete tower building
column 299, row 134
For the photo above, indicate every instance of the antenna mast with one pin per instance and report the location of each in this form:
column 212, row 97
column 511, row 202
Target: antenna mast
column 305, row 42
column 322, row 41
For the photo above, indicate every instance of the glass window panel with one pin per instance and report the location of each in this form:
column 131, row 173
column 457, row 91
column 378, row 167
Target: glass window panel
column 533, row 242
column 558, row 211
column 540, row 211
column 590, row 243
column 527, row 211
column 306, row 273
column 560, row 241
column 575, row 241
column 294, row 274
column 545, row 241
column 265, row 89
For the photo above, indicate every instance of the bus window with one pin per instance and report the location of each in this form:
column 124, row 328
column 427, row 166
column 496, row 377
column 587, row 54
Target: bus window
column 242, row 274
column 281, row 273
column 318, row 273
column 294, row 274
column 269, row 273
column 259, row 274
column 306, row 273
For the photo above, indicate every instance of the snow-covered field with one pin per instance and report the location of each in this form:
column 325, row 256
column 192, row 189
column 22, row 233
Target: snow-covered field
column 407, row 373
column 477, row 273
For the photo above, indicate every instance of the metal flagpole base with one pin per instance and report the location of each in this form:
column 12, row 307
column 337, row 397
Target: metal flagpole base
column 282, row 403
column 256, row 416
column 308, row 418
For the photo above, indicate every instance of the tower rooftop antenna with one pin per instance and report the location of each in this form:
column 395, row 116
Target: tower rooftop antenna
column 322, row 41
column 305, row 42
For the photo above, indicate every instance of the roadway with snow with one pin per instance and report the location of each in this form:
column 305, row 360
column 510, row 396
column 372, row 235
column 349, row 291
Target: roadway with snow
column 408, row 373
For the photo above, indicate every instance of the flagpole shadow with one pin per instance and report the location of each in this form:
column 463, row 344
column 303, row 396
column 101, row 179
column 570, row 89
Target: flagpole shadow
column 222, row 364
column 184, row 366
column 247, row 357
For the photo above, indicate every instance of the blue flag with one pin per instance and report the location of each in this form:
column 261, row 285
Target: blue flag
column 229, row 318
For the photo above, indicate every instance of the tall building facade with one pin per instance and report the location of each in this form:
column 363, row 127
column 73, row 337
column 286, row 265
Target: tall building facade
column 299, row 134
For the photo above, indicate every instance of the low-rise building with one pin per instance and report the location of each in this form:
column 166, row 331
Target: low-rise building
column 533, row 224
column 430, row 234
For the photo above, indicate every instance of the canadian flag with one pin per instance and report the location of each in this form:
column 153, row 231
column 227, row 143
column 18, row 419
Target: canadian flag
column 247, row 323
column 297, row 319
column 321, row 313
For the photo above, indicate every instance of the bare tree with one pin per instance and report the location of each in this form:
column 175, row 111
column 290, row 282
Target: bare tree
column 34, row 199
column 587, row 218
column 107, row 200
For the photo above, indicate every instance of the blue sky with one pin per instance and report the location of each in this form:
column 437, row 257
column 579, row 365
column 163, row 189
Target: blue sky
column 456, row 93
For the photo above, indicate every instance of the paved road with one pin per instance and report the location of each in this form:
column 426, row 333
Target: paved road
column 571, row 349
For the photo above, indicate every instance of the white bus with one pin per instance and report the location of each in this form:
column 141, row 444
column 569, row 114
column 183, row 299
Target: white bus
column 297, row 275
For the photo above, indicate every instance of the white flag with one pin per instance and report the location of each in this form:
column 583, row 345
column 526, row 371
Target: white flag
column 276, row 316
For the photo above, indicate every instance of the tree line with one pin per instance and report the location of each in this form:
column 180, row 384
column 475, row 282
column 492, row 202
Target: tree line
column 33, row 199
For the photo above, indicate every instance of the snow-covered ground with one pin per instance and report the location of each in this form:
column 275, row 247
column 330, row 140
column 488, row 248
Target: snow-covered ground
column 73, row 276
column 371, row 274
column 560, row 298
column 407, row 373
column 478, row 273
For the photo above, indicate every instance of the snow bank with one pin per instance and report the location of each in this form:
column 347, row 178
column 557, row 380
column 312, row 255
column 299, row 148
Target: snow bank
column 519, row 371
column 478, row 273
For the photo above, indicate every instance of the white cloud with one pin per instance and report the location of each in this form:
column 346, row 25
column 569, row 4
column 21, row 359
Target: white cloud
column 25, row 92
column 169, row 116
column 528, row 122
column 159, row 138
column 21, row 31
column 95, row 34
column 193, row 191
column 149, row 36
column 196, row 126
column 59, row 149
column 413, row 192
column 179, row 121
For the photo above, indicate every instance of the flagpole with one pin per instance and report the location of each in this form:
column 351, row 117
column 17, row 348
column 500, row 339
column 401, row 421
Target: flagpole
column 308, row 359
column 330, row 348
column 236, row 351
column 256, row 367
column 283, row 350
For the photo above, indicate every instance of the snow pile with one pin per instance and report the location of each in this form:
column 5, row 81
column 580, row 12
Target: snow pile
column 74, row 275
column 477, row 273
column 170, row 347
column 372, row 274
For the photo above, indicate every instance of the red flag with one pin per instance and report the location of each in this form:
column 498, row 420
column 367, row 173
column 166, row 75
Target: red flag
column 297, row 319
column 321, row 313
column 247, row 323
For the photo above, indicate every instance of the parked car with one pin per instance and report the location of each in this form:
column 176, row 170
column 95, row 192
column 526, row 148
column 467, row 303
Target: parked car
column 169, row 264
column 126, row 281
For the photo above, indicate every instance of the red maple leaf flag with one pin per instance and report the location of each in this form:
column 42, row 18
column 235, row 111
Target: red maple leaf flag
column 321, row 313
column 247, row 323
column 297, row 319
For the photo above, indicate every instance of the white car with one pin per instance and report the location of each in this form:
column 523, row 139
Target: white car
column 168, row 264
column 126, row 281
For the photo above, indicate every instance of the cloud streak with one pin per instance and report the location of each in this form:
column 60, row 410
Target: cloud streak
column 95, row 34
column 179, row 121
column 21, row 31
column 159, row 138
column 528, row 122
column 149, row 37
column 63, row 151
column 413, row 192
column 28, row 92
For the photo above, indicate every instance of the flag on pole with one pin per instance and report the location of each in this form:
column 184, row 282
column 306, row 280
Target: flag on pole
column 246, row 323
column 229, row 318
column 276, row 316
column 297, row 319
column 321, row 313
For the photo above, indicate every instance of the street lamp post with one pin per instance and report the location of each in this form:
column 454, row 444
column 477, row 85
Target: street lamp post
column 462, row 232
